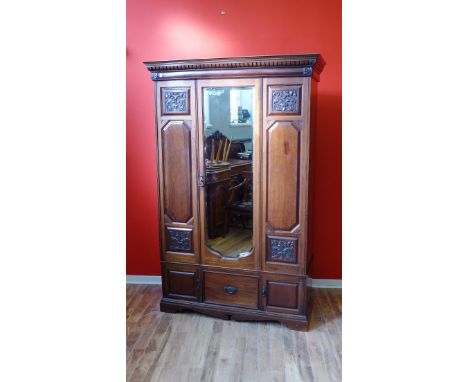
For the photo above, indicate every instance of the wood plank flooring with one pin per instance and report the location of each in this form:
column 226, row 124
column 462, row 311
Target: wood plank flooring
column 193, row 347
column 238, row 240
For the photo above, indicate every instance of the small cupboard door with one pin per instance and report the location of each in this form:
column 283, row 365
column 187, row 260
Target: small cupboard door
column 176, row 134
column 285, row 161
column 284, row 293
column 181, row 282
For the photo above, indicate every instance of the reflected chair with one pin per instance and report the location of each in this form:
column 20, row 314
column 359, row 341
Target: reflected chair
column 217, row 137
column 239, row 202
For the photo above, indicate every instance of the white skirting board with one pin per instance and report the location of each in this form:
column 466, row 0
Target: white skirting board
column 324, row 283
column 144, row 280
column 315, row 283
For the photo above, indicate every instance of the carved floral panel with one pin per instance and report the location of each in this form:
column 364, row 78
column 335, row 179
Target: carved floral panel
column 285, row 100
column 175, row 101
column 282, row 250
column 179, row 240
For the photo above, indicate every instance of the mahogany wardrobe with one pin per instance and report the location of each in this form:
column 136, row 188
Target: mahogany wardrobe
column 235, row 148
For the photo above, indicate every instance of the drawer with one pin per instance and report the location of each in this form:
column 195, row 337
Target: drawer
column 229, row 289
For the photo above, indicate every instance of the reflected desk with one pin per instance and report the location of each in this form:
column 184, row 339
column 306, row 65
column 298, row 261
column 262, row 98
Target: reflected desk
column 217, row 183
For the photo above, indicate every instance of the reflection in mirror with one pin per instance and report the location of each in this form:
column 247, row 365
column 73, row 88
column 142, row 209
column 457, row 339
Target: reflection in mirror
column 228, row 134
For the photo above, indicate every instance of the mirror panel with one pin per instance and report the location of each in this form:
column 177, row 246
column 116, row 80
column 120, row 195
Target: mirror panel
column 228, row 165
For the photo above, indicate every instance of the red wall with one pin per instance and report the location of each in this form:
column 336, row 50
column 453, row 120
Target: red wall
column 185, row 29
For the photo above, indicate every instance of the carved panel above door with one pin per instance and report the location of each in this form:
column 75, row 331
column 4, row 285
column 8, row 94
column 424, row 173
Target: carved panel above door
column 284, row 100
column 175, row 101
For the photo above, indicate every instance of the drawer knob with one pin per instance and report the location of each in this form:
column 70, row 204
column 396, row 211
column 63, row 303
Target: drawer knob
column 230, row 289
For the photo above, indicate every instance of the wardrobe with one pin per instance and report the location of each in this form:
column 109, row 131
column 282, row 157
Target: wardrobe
column 235, row 148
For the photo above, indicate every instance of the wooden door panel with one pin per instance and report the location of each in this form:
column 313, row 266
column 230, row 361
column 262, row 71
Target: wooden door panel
column 283, row 163
column 285, row 171
column 177, row 169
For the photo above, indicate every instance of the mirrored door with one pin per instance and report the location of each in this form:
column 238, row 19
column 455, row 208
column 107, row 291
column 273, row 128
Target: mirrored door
column 228, row 139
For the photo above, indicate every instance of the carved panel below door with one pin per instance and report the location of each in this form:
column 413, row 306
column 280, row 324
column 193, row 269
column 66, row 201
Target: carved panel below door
column 282, row 249
column 179, row 239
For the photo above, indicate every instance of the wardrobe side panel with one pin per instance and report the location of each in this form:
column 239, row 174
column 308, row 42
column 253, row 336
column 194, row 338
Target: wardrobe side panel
column 285, row 174
column 177, row 170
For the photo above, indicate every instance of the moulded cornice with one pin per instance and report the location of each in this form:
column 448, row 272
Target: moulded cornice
column 305, row 65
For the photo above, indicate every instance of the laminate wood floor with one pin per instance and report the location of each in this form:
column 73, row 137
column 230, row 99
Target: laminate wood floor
column 236, row 241
column 192, row 347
